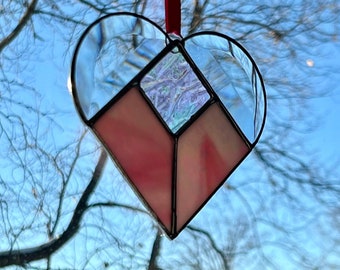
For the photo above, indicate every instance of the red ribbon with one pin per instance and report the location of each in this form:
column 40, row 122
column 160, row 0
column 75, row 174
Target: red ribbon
column 173, row 16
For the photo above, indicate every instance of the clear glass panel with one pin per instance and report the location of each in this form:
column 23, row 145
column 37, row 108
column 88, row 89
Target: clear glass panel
column 230, row 72
column 113, row 51
column 142, row 148
column 174, row 89
column 208, row 151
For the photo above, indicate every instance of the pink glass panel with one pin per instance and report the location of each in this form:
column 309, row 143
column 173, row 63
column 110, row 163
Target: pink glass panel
column 207, row 152
column 143, row 149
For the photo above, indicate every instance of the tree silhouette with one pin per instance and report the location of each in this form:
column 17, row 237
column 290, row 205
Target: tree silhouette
column 63, row 204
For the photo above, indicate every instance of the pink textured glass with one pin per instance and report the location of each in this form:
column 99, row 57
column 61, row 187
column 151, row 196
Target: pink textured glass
column 208, row 151
column 143, row 148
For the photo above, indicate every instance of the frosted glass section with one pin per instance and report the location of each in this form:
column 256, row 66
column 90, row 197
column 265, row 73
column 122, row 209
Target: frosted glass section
column 175, row 90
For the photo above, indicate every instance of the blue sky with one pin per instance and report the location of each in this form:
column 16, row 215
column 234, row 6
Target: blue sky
column 50, row 70
column 327, row 133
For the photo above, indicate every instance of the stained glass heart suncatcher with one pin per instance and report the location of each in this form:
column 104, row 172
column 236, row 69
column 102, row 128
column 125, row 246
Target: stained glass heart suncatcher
column 177, row 115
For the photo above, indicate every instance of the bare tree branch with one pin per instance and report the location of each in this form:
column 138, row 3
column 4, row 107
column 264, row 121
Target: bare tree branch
column 198, row 17
column 21, row 24
column 156, row 247
column 120, row 205
column 23, row 256
column 65, row 184
column 213, row 244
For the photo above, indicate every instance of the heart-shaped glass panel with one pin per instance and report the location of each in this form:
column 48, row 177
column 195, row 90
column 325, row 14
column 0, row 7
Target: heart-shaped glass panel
column 177, row 116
